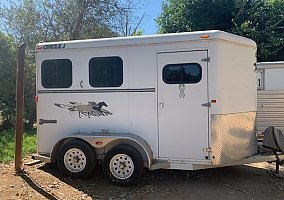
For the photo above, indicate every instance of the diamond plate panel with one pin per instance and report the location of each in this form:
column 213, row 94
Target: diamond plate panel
column 233, row 137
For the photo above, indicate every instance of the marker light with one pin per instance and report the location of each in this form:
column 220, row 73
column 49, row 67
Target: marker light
column 204, row 36
column 99, row 143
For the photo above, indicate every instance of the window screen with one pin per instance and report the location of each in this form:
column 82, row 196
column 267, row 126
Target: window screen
column 56, row 73
column 185, row 73
column 106, row 71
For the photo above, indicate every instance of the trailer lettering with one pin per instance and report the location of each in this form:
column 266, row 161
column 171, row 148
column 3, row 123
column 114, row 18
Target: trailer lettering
column 54, row 46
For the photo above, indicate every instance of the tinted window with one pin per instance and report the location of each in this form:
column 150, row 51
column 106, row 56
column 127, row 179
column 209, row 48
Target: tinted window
column 185, row 73
column 106, row 71
column 56, row 73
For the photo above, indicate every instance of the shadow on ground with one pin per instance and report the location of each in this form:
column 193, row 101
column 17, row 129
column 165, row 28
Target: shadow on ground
column 239, row 182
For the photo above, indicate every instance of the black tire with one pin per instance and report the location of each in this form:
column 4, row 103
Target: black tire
column 129, row 161
column 76, row 159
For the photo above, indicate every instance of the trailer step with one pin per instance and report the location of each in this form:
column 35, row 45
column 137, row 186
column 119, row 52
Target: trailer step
column 159, row 164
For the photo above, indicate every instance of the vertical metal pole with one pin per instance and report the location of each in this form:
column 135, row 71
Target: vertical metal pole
column 19, row 106
column 277, row 164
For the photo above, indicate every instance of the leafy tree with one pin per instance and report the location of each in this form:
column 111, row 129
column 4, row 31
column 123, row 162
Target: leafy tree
column 8, row 65
column 29, row 91
column 128, row 23
column 137, row 33
column 194, row 15
column 22, row 21
column 7, row 80
column 47, row 20
column 32, row 21
column 260, row 20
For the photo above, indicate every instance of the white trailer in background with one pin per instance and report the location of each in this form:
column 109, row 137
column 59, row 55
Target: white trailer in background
column 270, row 95
column 174, row 101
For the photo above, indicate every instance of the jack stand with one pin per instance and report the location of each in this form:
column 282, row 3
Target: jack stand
column 277, row 163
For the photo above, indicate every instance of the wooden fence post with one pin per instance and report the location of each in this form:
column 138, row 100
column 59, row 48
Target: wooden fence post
column 19, row 106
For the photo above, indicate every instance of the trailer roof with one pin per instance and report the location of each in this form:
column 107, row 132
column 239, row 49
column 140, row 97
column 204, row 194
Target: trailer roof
column 267, row 65
column 152, row 39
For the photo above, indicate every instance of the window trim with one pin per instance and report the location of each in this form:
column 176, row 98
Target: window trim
column 165, row 81
column 41, row 69
column 122, row 80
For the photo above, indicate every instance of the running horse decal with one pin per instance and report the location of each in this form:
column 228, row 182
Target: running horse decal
column 90, row 109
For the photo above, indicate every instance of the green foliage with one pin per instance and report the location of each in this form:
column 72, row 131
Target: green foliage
column 29, row 91
column 8, row 85
column 137, row 33
column 7, row 77
column 260, row 20
column 7, row 143
column 22, row 21
column 32, row 21
column 194, row 15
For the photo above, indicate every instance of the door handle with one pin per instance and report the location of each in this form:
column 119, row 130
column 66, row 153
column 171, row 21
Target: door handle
column 161, row 105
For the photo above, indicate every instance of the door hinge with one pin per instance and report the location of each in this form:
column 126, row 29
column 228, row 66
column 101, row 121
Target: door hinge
column 206, row 59
column 207, row 104
column 207, row 149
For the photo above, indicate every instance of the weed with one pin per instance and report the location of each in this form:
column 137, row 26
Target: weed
column 7, row 145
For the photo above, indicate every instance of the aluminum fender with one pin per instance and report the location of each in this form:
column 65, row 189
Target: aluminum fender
column 103, row 142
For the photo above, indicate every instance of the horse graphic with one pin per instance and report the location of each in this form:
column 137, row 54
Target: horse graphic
column 90, row 109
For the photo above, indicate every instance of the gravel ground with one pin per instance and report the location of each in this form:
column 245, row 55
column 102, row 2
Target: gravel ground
column 43, row 181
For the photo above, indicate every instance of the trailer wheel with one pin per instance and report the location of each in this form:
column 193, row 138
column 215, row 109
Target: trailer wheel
column 76, row 159
column 123, row 165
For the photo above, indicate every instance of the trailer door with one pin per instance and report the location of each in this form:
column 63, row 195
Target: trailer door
column 183, row 105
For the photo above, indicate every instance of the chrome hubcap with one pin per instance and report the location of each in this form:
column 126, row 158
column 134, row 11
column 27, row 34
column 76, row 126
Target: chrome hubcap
column 121, row 166
column 75, row 160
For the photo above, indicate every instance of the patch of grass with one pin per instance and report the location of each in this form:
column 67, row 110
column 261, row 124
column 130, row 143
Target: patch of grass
column 7, row 145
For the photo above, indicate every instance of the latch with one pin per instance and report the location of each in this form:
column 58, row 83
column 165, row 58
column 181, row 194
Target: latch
column 207, row 149
column 207, row 104
column 206, row 59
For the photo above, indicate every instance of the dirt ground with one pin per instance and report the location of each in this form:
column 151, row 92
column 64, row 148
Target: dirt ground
column 42, row 181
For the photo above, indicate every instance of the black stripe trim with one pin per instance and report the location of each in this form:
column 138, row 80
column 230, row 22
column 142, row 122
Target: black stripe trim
column 97, row 91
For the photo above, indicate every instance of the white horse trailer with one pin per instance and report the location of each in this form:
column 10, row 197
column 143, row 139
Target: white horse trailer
column 174, row 101
column 270, row 95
